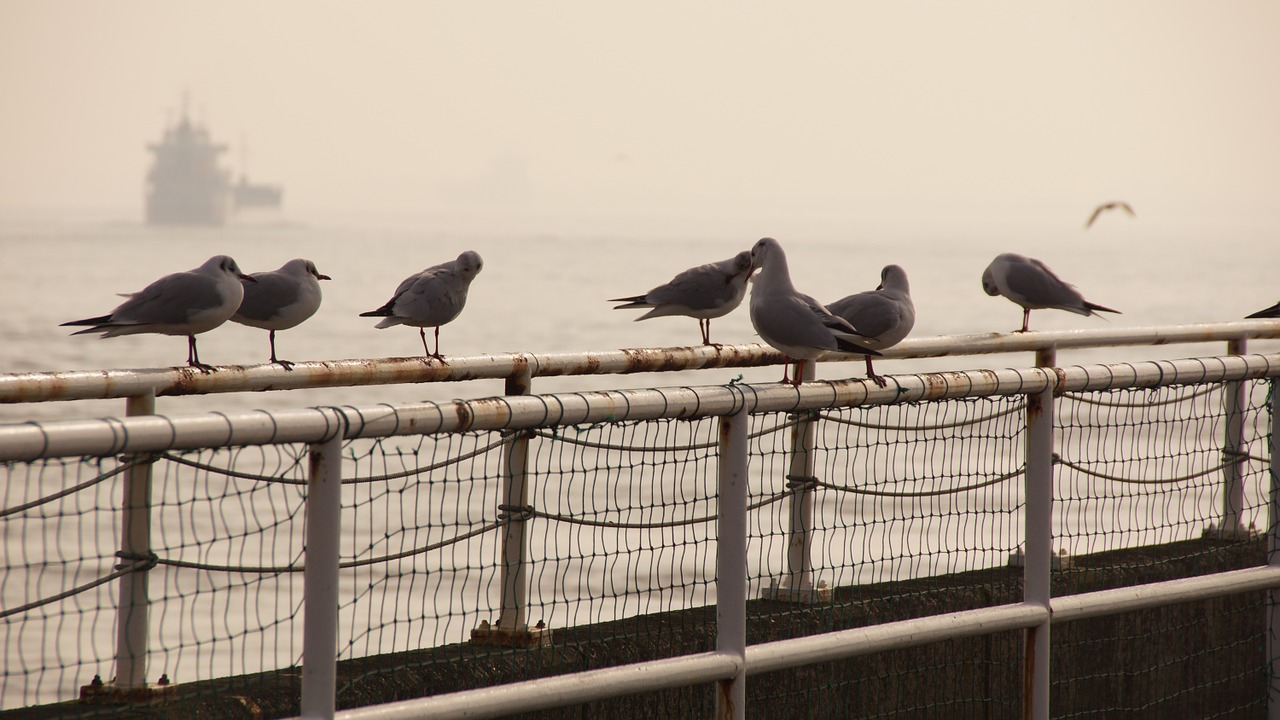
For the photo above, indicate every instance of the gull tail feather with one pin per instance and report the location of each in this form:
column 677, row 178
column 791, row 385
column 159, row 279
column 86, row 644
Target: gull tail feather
column 1096, row 308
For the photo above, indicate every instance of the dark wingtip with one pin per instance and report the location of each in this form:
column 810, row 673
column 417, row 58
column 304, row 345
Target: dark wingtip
column 101, row 320
column 1268, row 313
column 850, row 347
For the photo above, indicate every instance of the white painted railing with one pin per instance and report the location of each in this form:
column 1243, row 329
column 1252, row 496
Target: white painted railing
column 733, row 660
column 104, row 384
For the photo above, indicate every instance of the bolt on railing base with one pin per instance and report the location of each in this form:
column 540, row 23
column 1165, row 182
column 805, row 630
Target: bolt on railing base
column 100, row 693
column 522, row 637
column 1061, row 561
column 806, row 594
column 1229, row 532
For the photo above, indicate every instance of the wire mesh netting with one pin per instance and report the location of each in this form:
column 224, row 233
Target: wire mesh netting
column 1143, row 493
column 856, row 516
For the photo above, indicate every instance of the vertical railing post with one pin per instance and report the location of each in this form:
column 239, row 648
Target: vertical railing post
column 798, row 585
column 1273, row 559
column 1232, row 526
column 512, row 627
column 320, row 580
column 135, row 543
column 731, row 562
column 1038, row 540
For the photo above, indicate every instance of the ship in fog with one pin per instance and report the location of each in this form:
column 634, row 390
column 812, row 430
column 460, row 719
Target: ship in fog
column 188, row 185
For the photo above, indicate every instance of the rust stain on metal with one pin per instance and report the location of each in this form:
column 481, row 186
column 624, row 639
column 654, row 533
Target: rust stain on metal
column 1035, row 407
column 1028, row 670
column 465, row 416
column 934, row 384
column 724, row 699
column 1060, row 380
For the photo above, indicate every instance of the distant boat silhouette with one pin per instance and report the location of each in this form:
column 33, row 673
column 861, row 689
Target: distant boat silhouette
column 187, row 185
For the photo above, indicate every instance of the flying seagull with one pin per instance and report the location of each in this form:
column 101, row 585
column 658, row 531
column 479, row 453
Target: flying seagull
column 882, row 316
column 1109, row 206
column 703, row 293
column 1031, row 284
column 791, row 322
column 281, row 299
column 431, row 298
column 184, row 303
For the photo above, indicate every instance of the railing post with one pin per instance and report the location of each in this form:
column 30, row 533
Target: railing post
column 798, row 584
column 1038, row 540
column 731, row 562
column 1232, row 526
column 1273, row 559
column 512, row 627
column 135, row 543
column 320, row 580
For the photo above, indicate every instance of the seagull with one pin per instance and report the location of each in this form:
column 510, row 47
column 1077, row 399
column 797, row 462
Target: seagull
column 791, row 322
column 1271, row 312
column 185, row 303
column 431, row 298
column 1109, row 206
column 1031, row 284
column 704, row 292
column 882, row 316
column 281, row 299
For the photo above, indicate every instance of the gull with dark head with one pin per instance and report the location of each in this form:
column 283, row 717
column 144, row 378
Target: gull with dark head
column 431, row 298
column 791, row 322
column 1031, row 284
column 883, row 316
column 184, row 303
column 281, row 299
column 703, row 293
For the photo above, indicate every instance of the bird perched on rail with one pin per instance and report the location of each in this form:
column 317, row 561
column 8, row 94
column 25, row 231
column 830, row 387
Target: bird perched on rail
column 184, row 303
column 883, row 316
column 791, row 322
column 1031, row 284
column 431, row 298
column 704, row 292
column 281, row 299
column 1109, row 206
column 1271, row 312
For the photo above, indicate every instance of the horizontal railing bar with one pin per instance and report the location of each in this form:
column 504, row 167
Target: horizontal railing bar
column 152, row 433
column 990, row 343
column 779, row 655
column 103, row 384
column 558, row 691
column 841, row 644
column 1169, row 592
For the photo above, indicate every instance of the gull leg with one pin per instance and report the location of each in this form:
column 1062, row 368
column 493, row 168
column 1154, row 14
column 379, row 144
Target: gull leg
column 705, row 326
column 283, row 363
column 437, row 354
column 871, row 374
column 1026, row 319
column 193, row 357
column 799, row 376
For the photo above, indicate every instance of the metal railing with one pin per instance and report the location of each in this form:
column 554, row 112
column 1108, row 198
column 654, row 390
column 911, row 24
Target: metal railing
column 518, row 412
column 161, row 382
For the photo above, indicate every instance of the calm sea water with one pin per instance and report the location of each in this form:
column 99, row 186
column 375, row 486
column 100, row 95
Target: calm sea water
column 544, row 289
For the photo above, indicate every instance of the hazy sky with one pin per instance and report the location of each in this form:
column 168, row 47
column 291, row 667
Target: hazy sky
column 872, row 112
